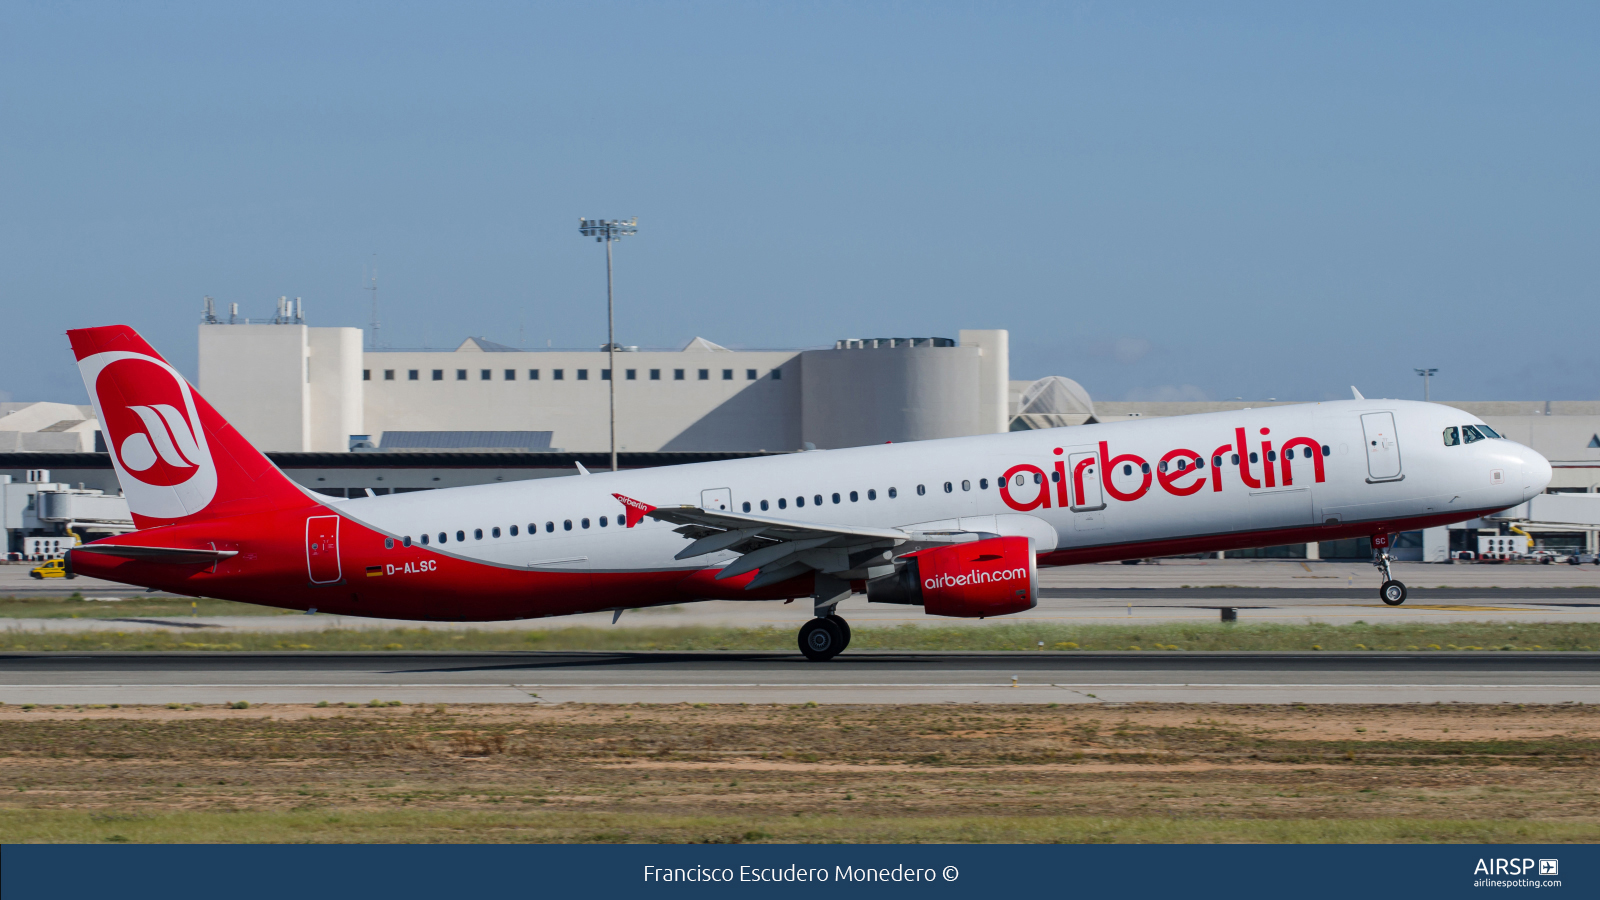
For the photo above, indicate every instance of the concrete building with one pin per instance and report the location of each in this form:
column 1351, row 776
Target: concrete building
column 290, row 387
column 47, row 427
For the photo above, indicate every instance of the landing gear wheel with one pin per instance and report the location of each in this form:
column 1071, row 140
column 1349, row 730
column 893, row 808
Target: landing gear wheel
column 1393, row 593
column 821, row 639
column 844, row 630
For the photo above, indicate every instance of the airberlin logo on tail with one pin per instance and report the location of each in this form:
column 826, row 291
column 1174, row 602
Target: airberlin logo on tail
column 636, row 509
column 153, row 432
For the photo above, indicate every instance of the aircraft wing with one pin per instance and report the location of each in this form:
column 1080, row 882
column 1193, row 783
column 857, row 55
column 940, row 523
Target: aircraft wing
column 780, row 548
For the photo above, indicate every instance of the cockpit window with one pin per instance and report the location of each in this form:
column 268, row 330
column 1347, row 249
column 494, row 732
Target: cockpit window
column 1452, row 436
column 1469, row 434
column 1489, row 432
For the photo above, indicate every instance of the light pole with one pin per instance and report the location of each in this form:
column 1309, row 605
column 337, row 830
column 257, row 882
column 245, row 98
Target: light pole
column 609, row 230
column 1426, row 374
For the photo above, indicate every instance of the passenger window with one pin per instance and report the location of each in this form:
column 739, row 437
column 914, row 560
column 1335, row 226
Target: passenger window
column 1272, row 456
column 817, row 500
column 983, row 484
column 1162, row 465
column 566, row 524
column 495, row 531
column 836, row 498
column 513, row 531
column 477, row 534
column 585, row 523
column 388, row 543
column 799, row 502
column 548, row 527
column 1143, row 467
column 872, row 494
column 1126, row 470
column 406, row 541
column 782, row 503
column 462, row 535
column 948, row 487
column 444, row 538
column 763, row 506
column 747, row 506
column 966, row 485
column 1253, row 457
column 424, row 540
column 853, row 497
column 1470, row 435
column 921, row 490
column 602, row 521
column 893, row 493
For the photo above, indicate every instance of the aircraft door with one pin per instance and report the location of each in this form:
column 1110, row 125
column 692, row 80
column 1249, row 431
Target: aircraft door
column 717, row 500
column 1383, row 449
column 322, row 549
column 1088, row 497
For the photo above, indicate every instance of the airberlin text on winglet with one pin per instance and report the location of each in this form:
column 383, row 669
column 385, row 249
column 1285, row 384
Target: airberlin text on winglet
column 1171, row 472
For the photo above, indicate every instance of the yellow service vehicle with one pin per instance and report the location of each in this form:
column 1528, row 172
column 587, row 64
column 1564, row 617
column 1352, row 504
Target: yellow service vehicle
column 55, row 568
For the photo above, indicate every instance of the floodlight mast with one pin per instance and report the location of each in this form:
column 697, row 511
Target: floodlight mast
column 608, row 231
column 1426, row 374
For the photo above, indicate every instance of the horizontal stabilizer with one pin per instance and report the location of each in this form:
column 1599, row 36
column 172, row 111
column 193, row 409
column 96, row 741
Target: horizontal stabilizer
column 158, row 554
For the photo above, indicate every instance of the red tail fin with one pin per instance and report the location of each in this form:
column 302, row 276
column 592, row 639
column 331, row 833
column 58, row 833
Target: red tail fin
column 177, row 459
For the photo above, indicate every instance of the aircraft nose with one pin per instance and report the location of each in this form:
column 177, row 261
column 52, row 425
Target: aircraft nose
column 1536, row 472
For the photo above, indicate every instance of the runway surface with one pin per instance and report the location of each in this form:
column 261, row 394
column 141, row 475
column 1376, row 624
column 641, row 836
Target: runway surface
column 866, row 677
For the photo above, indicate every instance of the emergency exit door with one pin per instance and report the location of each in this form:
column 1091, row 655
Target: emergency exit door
column 1383, row 448
column 322, row 549
column 717, row 500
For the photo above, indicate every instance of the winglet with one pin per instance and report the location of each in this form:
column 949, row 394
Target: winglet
column 1355, row 394
column 581, row 469
column 637, row 509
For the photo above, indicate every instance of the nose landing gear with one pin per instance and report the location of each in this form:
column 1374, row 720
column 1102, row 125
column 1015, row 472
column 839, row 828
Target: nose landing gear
column 824, row 637
column 1391, row 592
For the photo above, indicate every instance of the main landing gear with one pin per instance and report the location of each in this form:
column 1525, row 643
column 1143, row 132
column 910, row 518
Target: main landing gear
column 1391, row 592
column 824, row 637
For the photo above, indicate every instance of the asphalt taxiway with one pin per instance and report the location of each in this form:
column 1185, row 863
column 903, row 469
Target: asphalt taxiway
column 859, row 677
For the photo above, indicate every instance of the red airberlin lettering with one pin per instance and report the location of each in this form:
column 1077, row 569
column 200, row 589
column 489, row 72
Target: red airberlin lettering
column 1174, row 472
column 1168, row 473
column 1106, row 466
column 1063, row 486
column 1043, row 498
column 1314, row 448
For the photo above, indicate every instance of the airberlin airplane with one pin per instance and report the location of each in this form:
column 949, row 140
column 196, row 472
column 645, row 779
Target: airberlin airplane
column 957, row 526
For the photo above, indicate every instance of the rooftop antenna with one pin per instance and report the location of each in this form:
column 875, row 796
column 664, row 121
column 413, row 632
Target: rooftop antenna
column 211, row 313
column 375, row 328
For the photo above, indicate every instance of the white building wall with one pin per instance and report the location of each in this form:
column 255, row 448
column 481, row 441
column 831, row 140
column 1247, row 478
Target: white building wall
column 334, row 363
column 994, row 378
column 859, row 396
column 257, row 378
column 711, row 413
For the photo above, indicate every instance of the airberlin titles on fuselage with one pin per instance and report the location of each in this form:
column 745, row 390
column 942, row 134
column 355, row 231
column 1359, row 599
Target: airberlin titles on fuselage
column 1181, row 472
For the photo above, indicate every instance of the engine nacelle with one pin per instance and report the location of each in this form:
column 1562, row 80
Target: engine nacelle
column 993, row 577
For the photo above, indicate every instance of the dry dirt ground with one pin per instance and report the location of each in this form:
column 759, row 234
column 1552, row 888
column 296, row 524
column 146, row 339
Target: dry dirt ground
column 801, row 773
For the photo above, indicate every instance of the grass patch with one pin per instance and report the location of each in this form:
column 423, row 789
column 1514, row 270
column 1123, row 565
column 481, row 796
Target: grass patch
column 443, row 826
column 732, row 773
column 1050, row 638
column 132, row 605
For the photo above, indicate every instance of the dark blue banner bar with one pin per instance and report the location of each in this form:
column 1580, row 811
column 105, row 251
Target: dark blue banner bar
column 1155, row 871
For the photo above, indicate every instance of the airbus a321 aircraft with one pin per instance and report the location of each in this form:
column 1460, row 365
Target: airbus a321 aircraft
column 957, row 526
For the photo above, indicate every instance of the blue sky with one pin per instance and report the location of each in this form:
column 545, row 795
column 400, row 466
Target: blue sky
column 1162, row 201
